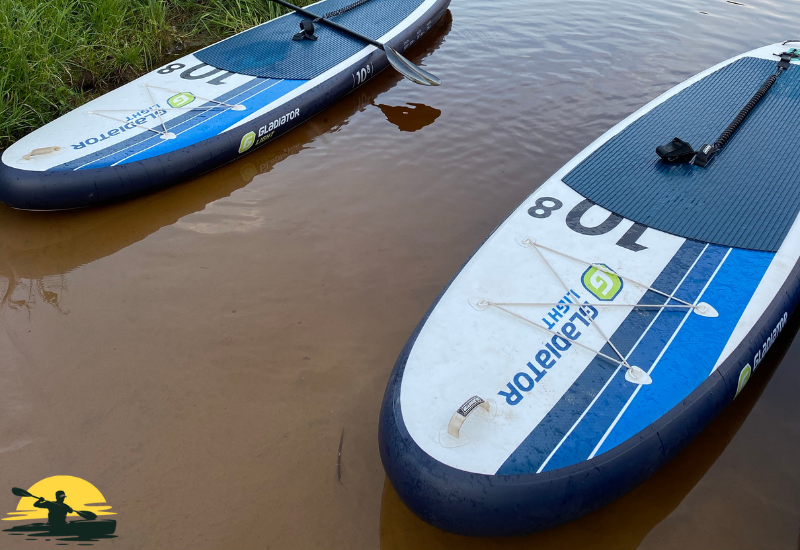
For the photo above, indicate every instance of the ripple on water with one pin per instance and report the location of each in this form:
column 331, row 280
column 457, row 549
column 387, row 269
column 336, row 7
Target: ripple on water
column 206, row 345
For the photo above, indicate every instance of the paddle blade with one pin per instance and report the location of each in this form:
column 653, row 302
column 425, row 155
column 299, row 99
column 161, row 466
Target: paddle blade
column 433, row 79
column 21, row 492
column 408, row 69
column 85, row 514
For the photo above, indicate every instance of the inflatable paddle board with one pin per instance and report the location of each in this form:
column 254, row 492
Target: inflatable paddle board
column 208, row 108
column 609, row 319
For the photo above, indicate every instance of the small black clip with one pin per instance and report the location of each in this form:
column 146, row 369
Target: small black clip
column 676, row 150
column 786, row 58
column 306, row 31
column 704, row 155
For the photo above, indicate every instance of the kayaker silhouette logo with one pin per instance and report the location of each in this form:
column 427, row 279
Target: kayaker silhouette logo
column 57, row 500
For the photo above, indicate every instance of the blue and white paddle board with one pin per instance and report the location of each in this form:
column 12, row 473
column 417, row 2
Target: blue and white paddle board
column 609, row 319
column 206, row 109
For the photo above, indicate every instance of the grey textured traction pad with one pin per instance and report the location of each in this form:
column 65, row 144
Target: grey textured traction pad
column 747, row 197
column 269, row 51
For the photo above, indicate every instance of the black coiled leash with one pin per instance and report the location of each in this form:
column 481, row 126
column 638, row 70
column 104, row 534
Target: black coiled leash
column 678, row 150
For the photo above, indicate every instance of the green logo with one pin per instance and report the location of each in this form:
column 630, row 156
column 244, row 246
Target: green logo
column 247, row 141
column 744, row 376
column 603, row 283
column 180, row 100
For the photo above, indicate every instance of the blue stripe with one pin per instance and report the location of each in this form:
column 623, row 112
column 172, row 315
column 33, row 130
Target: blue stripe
column 192, row 127
column 696, row 348
column 533, row 451
column 599, row 418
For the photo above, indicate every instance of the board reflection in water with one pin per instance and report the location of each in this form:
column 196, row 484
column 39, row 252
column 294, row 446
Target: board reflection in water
column 22, row 294
column 623, row 524
column 410, row 117
column 37, row 245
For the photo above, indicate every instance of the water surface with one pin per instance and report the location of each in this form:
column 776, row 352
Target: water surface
column 199, row 354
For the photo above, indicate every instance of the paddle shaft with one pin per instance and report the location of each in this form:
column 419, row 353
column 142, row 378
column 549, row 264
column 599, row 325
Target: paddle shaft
column 83, row 513
column 330, row 23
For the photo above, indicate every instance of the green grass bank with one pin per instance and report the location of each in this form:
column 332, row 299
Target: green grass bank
column 58, row 54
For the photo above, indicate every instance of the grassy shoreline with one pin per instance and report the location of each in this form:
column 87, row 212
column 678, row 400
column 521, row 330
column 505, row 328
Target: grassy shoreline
column 56, row 55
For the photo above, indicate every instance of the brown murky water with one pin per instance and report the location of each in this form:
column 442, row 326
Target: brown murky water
column 199, row 354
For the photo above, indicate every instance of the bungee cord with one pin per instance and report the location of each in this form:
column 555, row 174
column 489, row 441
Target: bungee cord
column 165, row 133
column 633, row 373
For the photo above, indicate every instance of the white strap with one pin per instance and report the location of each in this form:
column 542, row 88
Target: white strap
column 235, row 107
column 454, row 426
column 530, row 242
column 164, row 133
column 42, row 151
column 635, row 373
column 702, row 308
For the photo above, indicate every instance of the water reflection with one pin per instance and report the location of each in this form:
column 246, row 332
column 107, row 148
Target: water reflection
column 47, row 532
column 269, row 339
column 623, row 524
column 23, row 294
column 411, row 116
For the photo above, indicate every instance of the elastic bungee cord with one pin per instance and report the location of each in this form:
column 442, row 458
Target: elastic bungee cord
column 678, row 150
column 634, row 374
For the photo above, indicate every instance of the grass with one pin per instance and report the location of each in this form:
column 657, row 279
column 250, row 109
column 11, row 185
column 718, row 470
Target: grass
column 58, row 54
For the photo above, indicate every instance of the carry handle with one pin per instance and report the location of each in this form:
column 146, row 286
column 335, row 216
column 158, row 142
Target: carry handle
column 458, row 418
column 42, row 151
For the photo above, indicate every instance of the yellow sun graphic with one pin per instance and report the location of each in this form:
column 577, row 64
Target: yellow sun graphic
column 81, row 495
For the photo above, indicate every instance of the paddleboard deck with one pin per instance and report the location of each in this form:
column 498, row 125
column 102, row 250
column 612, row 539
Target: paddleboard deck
column 206, row 109
column 608, row 320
